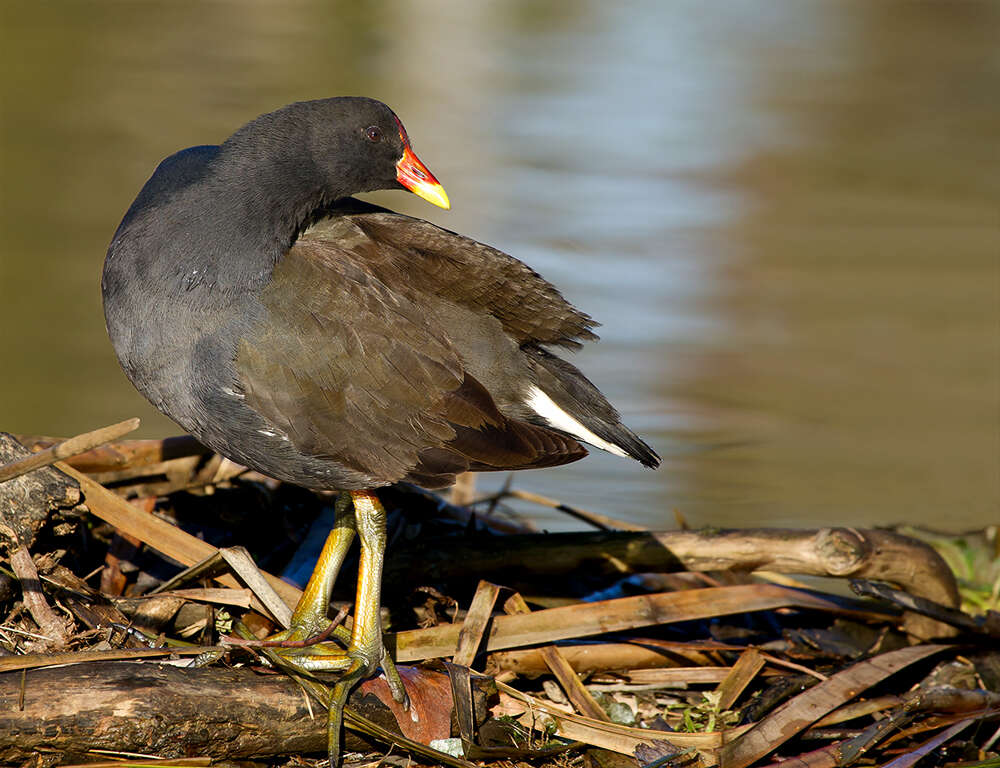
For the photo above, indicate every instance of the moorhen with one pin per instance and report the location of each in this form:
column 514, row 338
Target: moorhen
column 335, row 344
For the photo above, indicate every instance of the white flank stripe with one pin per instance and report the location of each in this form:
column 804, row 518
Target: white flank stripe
column 544, row 406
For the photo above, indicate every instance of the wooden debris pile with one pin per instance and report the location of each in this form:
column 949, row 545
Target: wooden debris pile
column 138, row 579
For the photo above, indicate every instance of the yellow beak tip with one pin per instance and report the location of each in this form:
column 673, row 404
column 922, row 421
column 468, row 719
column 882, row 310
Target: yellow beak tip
column 433, row 193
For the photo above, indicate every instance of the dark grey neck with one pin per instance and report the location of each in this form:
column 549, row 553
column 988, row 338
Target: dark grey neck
column 261, row 206
column 218, row 219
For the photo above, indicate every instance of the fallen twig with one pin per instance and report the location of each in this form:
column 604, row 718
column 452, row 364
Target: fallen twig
column 989, row 624
column 319, row 637
column 617, row 738
column 840, row 552
column 602, row 522
column 52, row 626
column 806, row 708
column 159, row 534
column 124, row 453
column 583, row 619
column 67, row 448
column 470, row 634
column 560, row 667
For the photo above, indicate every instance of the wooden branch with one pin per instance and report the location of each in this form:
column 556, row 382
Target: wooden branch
column 148, row 467
column 478, row 616
column 796, row 714
column 988, row 624
column 67, row 448
column 532, row 711
column 170, row 711
column 559, row 665
column 750, row 662
column 586, row 658
column 52, row 626
column 159, row 534
column 602, row 522
column 618, row 615
column 519, row 561
column 28, row 502
column 125, row 453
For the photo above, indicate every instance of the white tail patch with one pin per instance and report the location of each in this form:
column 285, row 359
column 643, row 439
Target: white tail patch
column 545, row 407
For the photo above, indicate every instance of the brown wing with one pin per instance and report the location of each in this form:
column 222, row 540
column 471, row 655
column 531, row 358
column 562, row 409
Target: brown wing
column 456, row 268
column 351, row 371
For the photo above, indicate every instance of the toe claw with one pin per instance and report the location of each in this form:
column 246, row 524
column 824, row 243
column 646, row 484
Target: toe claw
column 394, row 680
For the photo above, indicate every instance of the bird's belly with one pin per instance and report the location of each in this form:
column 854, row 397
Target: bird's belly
column 182, row 361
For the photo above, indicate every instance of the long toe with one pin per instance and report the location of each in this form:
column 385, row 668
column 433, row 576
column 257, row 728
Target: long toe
column 395, row 681
column 363, row 665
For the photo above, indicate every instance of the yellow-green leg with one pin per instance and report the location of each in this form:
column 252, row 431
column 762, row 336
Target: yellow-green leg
column 310, row 615
column 365, row 650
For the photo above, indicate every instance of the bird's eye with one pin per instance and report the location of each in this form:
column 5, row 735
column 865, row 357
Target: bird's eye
column 373, row 133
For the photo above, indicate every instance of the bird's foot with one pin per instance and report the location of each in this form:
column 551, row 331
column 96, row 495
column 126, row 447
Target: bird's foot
column 356, row 663
column 313, row 652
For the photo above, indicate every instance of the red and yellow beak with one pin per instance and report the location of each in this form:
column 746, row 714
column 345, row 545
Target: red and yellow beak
column 413, row 175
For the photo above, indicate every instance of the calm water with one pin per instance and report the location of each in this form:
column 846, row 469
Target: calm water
column 787, row 216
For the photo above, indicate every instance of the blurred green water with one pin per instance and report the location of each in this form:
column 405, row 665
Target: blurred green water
column 787, row 217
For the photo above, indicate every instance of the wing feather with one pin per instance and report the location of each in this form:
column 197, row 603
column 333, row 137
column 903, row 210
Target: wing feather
column 401, row 250
column 355, row 372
